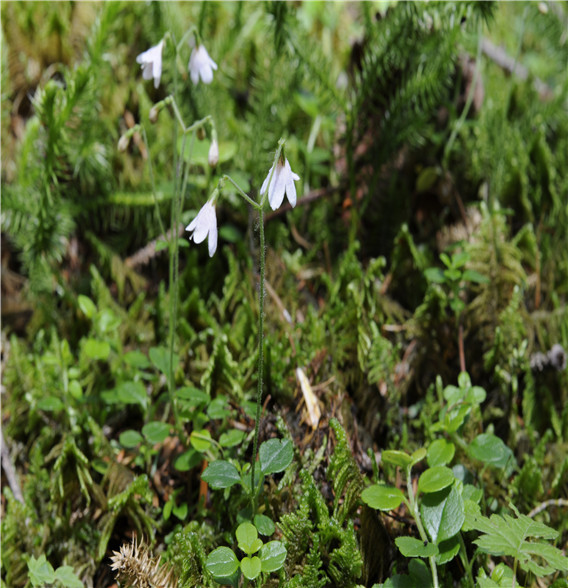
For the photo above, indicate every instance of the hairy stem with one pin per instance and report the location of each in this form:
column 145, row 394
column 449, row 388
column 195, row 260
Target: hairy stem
column 262, row 261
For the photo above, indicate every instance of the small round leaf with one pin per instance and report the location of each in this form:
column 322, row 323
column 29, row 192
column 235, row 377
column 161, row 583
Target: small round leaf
column 222, row 562
column 382, row 497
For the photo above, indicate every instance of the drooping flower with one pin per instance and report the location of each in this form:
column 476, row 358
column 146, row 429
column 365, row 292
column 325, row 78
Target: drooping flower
column 213, row 156
column 282, row 183
column 205, row 223
column 151, row 62
column 201, row 65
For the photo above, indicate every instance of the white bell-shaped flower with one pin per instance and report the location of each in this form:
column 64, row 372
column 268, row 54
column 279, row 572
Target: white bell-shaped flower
column 201, row 65
column 204, row 224
column 151, row 62
column 282, row 183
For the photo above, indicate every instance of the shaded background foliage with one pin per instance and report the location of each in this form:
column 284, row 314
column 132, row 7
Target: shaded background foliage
column 411, row 137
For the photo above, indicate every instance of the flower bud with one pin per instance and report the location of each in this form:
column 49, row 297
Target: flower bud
column 213, row 157
column 123, row 142
column 153, row 114
column 200, row 133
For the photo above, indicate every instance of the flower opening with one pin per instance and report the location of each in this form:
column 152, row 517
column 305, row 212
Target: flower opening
column 282, row 183
column 151, row 62
column 201, row 65
column 203, row 225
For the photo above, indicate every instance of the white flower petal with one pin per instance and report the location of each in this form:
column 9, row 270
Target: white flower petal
column 203, row 225
column 265, row 183
column 151, row 62
column 291, row 191
column 212, row 242
column 277, row 188
column 201, row 65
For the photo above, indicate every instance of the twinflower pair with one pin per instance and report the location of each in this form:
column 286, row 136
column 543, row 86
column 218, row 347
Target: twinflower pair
column 279, row 181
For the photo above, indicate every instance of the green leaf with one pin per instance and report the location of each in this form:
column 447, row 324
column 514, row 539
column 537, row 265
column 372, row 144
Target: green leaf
column 251, row 567
column 192, row 397
column 504, row 535
column 264, row 525
column 136, row 359
column 442, row 514
column 448, row 549
column 412, row 547
column 107, row 321
column 435, row 275
column 161, row 245
column 156, row 432
column 132, row 393
column 181, row 511
column 397, row 458
column 440, row 452
column 40, row 571
column 222, row 562
column 160, row 357
column 130, row 439
column 435, row 479
column 418, row 456
column 87, row 306
column 67, row 577
column 221, row 474
column 231, row 438
column 50, row 404
column 476, row 277
column 199, row 440
column 217, row 408
column 382, row 497
column 275, row 455
column 491, row 450
column 272, row 556
column 98, row 350
column 247, row 538
column 187, row 460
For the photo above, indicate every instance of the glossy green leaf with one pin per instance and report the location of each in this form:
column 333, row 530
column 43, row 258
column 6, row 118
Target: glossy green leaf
column 435, row 479
column 275, row 455
column 412, row 547
column 382, row 497
column 221, row 474
column 222, row 562
column 264, row 524
column 251, row 567
column 442, row 513
column 200, row 440
column 491, row 450
column 397, row 458
column 272, row 556
column 247, row 538
column 440, row 452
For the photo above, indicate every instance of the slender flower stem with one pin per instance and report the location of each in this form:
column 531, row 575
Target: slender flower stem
column 262, row 260
column 413, row 505
column 240, row 191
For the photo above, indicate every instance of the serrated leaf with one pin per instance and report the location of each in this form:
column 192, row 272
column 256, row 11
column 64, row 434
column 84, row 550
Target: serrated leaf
column 66, row 575
column 412, row 547
column 382, row 497
column 275, row 455
column 272, row 556
column 221, row 474
column 442, row 514
column 251, row 567
column 40, row 571
column 222, row 562
column 436, row 479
